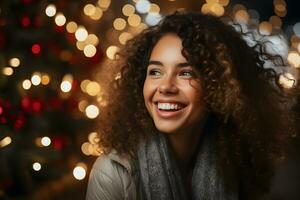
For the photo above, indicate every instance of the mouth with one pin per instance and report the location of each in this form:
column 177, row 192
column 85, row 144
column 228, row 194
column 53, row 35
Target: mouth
column 170, row 106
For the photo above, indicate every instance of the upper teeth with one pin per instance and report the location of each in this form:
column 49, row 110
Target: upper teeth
column 168, row 106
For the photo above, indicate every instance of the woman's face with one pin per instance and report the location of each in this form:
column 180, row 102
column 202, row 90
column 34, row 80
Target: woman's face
column 172, row 90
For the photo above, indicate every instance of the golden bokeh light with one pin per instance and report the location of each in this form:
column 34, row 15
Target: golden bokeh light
column 36, row 166
column 92, row 39
column 50, row 10
column 265, row 28
column 217, row 9
column 89, row 50
column 5, row 141
column 242, row 16
column 60, row 19
column 66, row 86
column 154, row 8
column 14, row 62
column 97, row 14
column 93, row 88
column 87, row 148
column 92, row 111
column 128, row 10
column 26, row 84
column 45, row 79
column 36, row 78
column 124, row 37
column 81, row 34
column 287, row 80
column 89, row 9
column 83, row 84
column 111, row 52
column 294, row 59
column 71, row 27
column 119, row 24
column 93, row 138
column 104, row 4
column 80, row 45
column 8, row 71
column 134, row 20
column 45, row 141
column 79, row 172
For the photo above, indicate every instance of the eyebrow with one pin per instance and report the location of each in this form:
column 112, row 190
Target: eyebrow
column 155, row 62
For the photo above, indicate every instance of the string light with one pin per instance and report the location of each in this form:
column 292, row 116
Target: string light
column 8, row 71
column 104, row 4
column 92, row 111
column 81, row 34
column 119, row 24
column 71, row 27
column 36, row 78
column 79, row 172
column 26, row 84
column 93, row 88
column 14, row 62
column 89, row 9
column 60, row 19
column 134, row 20
column 36, row 166
column 97, row 14
column 5, row 141
column 89, row 50
column 50, row 10
column 128, row 9
column 46, row 141
column 83, row 84
column 111, row 52
column 45, row 79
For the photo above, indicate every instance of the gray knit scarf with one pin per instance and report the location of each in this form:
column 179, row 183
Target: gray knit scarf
column 160, row 177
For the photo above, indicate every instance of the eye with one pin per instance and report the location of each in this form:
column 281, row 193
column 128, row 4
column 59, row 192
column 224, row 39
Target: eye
column 154, row 72
column 187, row 73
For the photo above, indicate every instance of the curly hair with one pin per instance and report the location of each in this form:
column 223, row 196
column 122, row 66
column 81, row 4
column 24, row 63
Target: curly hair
column 251, row 109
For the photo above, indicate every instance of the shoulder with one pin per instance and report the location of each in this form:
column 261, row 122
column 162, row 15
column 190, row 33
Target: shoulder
column 110, row 178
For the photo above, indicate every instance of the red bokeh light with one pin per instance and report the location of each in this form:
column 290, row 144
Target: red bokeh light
column 36, row 49
column 25, row 21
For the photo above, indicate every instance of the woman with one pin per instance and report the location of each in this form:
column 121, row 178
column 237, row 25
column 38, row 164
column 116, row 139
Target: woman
column 193, row 115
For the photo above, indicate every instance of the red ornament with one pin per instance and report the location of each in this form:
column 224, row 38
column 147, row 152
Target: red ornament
column 25, row 21
column 1, row 110
column 58, row 143
column 26, row 104
column 36, row 106
column 20, row 121
column 36, row 49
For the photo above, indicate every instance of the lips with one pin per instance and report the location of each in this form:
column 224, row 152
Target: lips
column 169, row 109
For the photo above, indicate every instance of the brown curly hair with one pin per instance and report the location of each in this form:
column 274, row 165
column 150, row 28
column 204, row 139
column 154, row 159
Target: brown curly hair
column 243, row 97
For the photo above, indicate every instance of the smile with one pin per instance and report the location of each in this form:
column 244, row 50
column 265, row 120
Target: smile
column 169, row 106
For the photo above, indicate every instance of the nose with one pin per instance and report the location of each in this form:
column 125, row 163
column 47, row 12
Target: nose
column 168, row 85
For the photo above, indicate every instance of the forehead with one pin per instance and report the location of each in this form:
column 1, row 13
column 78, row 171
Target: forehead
column 168, row 47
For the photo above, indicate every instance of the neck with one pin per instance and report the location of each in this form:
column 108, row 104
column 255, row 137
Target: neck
column 184, row 145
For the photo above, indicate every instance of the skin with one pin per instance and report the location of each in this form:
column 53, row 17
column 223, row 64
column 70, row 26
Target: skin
column 171, row 80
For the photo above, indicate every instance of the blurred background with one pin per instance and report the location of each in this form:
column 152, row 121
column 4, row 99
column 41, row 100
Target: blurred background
column 52, row 55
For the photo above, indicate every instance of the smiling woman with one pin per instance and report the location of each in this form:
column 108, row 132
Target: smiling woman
column 194, row 115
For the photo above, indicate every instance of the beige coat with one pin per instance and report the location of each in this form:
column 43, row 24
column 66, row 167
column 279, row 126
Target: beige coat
column 113, row 178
